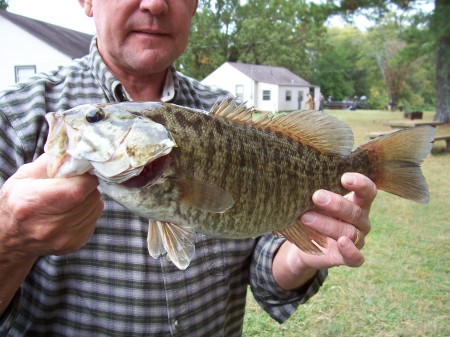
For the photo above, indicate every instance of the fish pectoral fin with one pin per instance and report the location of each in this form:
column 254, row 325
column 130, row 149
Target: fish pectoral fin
column 177, row 241
column 204, row 196
column 305, row 238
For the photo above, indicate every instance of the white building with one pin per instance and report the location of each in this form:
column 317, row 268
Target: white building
column 266, row 88
column 29, row 46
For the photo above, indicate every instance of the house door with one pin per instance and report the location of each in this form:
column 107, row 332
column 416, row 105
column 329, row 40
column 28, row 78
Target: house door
column 300, row 100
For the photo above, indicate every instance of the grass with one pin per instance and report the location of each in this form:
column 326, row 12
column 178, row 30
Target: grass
column 403, row 289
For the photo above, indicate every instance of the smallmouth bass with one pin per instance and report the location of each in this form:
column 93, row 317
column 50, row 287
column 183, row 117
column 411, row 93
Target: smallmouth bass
column 225, row 174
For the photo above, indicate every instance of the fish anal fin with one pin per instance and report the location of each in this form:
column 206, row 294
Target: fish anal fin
column 305, row 238
column 204, row 196
column 325, row 133
column 177, row 241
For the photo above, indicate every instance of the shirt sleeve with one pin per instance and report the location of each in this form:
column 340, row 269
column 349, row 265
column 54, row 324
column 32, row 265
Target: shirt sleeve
column 9, row 316
column 278, row 303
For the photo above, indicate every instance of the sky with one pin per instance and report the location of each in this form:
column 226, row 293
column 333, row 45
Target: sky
column 69, row 14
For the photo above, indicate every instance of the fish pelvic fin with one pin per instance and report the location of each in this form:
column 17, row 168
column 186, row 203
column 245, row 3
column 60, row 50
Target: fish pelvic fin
column 305, row 238
column 176, row 240
column 397, row 158
column 325, row 133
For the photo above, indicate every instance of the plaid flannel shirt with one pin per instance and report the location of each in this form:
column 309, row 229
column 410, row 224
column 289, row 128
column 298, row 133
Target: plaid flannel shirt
column 112, row 287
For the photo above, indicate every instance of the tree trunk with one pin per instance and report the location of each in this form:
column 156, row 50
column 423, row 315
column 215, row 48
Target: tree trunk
column 443, row 81
column 442, row 67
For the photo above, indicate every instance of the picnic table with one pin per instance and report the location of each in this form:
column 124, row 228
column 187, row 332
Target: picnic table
column 397, row 125
column 411, row 124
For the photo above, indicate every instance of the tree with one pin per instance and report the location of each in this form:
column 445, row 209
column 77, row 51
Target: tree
column 337, row 64
column 212, row 39
column 207, row 47
column 279, row 33
column 3, row 4
column 388, row 49
column 269, row 32
column 438, row 37
column 441, row 27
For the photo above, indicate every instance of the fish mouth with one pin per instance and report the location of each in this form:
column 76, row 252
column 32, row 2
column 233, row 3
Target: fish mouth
column 150, row 173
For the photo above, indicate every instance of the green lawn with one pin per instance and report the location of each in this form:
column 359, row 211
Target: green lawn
column 403, row 289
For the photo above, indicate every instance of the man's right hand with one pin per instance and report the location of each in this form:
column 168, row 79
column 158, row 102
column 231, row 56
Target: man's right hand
column 41, row 216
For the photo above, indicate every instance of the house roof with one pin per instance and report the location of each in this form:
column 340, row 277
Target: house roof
column 69, row 42
column 272, row 75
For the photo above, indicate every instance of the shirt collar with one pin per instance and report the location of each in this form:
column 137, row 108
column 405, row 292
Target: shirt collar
column 113, row 89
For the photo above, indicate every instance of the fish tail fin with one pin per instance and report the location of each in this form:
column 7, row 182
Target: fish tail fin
column 176, row 240
column 396, row 159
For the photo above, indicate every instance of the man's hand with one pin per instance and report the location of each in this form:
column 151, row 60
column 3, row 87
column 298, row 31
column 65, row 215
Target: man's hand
column 40, row 216
column 343, row 219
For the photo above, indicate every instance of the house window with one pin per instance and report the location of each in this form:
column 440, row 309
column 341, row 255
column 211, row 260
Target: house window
column 22, row 73
column 266, row 95
column 288, row 95
column 240, row 91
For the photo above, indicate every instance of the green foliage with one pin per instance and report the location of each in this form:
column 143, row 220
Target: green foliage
column 207, row 48
column 394, row 59
column 435, row 37
column 278, row 33
column 337, row 68
column 271, row 32
column 3, row 4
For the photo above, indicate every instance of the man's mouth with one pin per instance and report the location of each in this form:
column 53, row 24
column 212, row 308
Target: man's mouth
column 154, row 32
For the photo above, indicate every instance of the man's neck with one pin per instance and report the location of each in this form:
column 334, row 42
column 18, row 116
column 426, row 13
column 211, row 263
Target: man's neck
column 147, row 89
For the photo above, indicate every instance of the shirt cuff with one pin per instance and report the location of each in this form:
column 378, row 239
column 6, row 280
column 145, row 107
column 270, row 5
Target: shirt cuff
column 277, row 302
column 9, row 316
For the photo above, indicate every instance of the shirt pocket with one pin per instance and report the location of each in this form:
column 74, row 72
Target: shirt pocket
column 213, row 251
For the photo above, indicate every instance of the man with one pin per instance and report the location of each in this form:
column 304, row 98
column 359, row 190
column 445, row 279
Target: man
column 74, row 264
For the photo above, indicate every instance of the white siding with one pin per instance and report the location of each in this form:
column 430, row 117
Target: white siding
column 272, row 104
column 227, row 77
column 19, row 48
column 294, row 103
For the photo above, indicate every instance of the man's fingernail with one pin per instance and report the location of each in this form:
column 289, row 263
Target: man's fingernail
column 348, row 179
column 321, row 197
column 308, row 218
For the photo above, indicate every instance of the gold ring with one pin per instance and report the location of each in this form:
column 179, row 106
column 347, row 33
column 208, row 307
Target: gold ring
column 357, row 236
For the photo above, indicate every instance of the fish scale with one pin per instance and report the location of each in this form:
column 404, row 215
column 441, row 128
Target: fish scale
column 280, row 193
column 226, row 174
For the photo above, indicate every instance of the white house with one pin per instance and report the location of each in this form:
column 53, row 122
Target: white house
column 266, row 88
column 29, row 46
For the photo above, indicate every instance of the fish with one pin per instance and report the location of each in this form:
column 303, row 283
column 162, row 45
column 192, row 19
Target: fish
column 226, row 173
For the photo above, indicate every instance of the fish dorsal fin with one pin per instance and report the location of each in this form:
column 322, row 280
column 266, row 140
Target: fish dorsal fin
column 325, row 133
column 177, row 241
column 232, row 112
column 204, row 196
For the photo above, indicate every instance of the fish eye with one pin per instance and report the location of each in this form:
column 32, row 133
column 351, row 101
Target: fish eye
column 95, row 116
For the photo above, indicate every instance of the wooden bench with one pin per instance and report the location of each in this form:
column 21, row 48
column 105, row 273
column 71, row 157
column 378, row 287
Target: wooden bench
column 375, row 134
column 413, row 115
column 447, row 141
